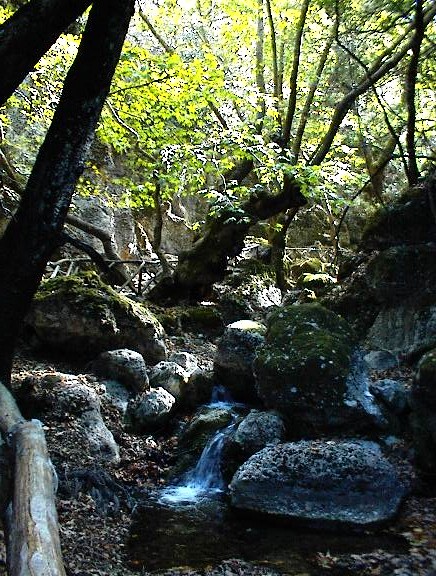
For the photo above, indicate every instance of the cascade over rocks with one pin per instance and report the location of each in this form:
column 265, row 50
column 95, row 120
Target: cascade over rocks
column 320, row 483
column 302, row 371
column 234, row 357
column 81, row 315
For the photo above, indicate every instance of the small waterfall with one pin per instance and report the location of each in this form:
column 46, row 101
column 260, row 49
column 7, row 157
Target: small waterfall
column 206, row 478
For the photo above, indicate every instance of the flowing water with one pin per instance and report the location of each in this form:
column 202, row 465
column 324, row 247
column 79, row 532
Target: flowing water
column 191, row 524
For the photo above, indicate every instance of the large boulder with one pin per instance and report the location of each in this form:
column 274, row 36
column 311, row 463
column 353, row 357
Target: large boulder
column 73, row 401
column 320, row 483
column 234, row 357
column 423, row 417
column 125, row 366
column 82, row 315
column 302, row 371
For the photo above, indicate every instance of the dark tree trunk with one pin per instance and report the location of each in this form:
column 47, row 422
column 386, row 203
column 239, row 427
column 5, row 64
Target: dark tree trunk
column 278, row 247
column 206, row 262
column 34, row 231
column 28, row 34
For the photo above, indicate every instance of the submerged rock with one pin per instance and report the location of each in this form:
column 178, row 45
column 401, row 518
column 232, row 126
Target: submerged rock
column 320, row 483
column 234, row 357
column 82, row 315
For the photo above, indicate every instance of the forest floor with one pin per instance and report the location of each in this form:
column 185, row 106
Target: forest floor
column 95, row 525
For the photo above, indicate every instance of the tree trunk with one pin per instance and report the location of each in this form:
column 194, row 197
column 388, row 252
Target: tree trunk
column 278, row 247
column 33, row 534
column 28, row 34
column 34, row 231
column 206, row 262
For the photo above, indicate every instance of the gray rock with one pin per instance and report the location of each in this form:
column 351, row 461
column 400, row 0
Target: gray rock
column 320, row 483
column 71, row 396
column 5, row 476
column 198, row 389
column 404, row 329
column 81, row 315
column 392, row 394
column 187, row 361
column 423, row 417
column 257, row 430
column 234, row 357
column 126, row 366
column 381, row 360
column 150, row 410
column 170, row 376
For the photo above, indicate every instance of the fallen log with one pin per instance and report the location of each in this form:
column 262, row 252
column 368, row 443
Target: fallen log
column 33, row 544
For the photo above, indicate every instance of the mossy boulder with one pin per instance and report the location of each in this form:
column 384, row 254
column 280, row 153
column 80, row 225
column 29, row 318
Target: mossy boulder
column 302, row 369
column 80, row 315
column 202, row 427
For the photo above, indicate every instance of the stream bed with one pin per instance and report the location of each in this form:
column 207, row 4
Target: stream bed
column 206, row 532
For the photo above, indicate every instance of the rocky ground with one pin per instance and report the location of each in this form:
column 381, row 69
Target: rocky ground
column 95, row 504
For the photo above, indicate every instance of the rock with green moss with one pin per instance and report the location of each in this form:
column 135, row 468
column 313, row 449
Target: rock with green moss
column 80, row 315
column 423, row 417
column 205, row 423
column 302, row 371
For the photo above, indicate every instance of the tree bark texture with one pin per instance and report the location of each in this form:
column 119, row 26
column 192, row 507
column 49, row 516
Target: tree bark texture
column 206, row 262
column 34, row 547
column 28, row 34
column 33, row 233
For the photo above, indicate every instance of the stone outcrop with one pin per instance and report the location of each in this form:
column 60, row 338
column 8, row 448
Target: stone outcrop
column 79, row 315
column 320, row 483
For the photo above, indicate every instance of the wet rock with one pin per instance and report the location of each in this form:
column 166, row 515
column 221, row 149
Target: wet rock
column 150, row 410
column 79, row 315
column 125, row 366
column 205, row 423
column 233, row 361
column 381, row 360
column 257, row 430
column 304, row 371
column 320, row 483
column 392, row 394
column 423, row 417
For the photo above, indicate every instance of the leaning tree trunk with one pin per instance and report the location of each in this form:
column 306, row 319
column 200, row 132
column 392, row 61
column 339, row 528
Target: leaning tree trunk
column 28, row 34
column 206, row 262
column 33, row 232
